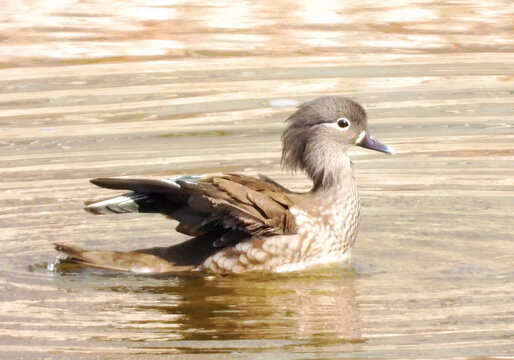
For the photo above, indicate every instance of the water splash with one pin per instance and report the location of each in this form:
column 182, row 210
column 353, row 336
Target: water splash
column 53, row 266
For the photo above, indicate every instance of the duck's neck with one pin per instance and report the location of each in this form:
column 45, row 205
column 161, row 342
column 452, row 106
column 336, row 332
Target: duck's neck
column 336, row 203
column 331, row 172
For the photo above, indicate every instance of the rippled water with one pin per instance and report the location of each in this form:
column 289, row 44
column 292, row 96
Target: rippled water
column 96, row 88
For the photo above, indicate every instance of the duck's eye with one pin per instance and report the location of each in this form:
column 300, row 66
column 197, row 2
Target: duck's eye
column 343, row 123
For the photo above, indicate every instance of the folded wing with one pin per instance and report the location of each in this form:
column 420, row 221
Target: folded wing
column 233, row 206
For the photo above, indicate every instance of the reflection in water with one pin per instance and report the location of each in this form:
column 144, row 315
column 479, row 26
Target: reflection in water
column 304, row 310
column 93, row 89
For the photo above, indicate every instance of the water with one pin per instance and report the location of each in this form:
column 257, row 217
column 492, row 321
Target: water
column 93, row 89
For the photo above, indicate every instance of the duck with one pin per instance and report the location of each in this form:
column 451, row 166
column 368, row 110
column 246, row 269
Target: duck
column 239, row 223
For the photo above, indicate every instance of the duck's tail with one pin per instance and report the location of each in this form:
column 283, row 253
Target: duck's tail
column 131, row 261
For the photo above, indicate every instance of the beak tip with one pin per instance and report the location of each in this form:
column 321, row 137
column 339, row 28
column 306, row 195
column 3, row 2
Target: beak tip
column 369, row 142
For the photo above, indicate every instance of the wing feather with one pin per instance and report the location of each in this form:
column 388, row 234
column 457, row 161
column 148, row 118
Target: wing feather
column 237, row 203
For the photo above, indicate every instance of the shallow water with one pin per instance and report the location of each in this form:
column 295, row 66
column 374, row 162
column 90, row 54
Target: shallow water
column 145, row 88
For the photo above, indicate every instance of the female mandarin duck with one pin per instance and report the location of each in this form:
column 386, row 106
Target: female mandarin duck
column 240, row 223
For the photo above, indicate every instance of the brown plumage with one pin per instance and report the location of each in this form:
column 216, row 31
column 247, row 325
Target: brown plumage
column 240, row 223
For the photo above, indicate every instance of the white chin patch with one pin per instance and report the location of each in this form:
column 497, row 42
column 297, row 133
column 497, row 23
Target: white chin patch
column 361, row 136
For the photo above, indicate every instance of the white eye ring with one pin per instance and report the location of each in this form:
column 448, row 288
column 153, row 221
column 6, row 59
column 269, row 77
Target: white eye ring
column 343, row 123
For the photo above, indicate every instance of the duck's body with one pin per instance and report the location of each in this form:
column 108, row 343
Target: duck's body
column 240, row 223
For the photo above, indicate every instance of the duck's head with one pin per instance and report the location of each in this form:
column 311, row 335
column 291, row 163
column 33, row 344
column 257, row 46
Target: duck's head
column 318, row 134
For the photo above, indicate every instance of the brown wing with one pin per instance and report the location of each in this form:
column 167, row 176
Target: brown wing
column 233, row 205
column 217, row 211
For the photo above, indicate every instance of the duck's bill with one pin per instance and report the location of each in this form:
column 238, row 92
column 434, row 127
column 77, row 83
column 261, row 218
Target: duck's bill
column 369, row 142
